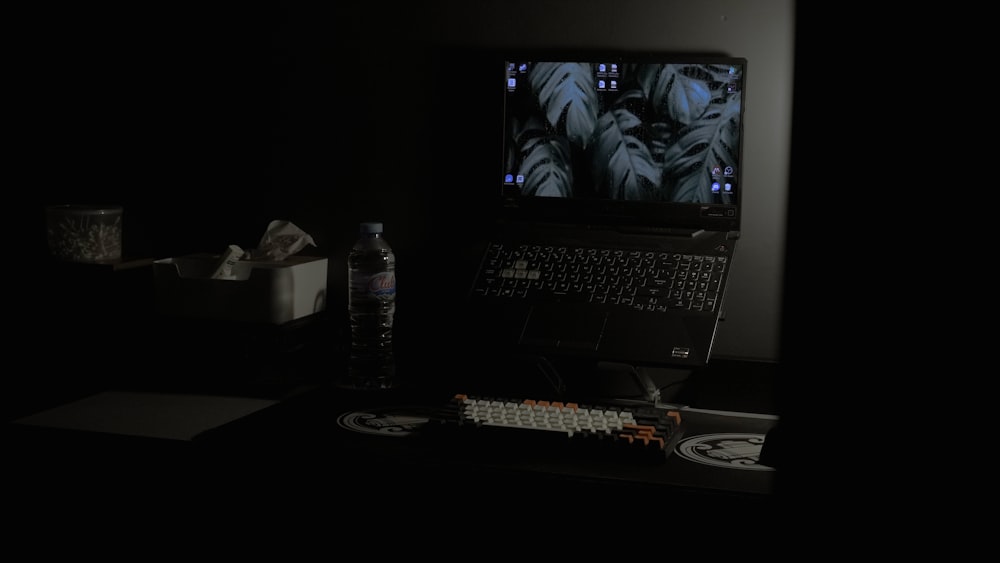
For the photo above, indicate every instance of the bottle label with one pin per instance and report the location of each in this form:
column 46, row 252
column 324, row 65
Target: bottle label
column 382, row 285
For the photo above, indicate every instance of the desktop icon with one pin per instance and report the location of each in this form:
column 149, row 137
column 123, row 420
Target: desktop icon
column 511, row 83
column 715, row 187
column 508, row 179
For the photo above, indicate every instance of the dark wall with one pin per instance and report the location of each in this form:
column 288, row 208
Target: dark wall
column 168, row 113
column 846, row 374
column 208, row 123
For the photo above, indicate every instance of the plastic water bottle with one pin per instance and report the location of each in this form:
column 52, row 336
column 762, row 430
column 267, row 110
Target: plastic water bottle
column 371, row 268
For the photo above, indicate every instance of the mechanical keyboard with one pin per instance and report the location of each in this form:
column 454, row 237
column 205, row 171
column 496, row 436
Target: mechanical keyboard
column 557, row 428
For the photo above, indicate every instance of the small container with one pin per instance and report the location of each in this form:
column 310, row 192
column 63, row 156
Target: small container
column 257, row 291
column 85, row 233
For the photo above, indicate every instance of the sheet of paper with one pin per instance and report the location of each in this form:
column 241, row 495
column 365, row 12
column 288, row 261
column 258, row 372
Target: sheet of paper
column 155, row 415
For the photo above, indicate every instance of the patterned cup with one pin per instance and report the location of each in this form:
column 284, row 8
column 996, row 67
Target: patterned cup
column 85, row 233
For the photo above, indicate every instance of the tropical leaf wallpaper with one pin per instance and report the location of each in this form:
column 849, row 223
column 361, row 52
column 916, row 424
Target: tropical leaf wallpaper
column 661, row 132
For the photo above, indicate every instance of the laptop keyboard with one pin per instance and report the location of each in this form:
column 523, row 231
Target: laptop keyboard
column 638, row 279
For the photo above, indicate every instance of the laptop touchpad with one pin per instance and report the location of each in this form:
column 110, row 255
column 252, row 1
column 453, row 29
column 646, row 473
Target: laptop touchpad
column 563, row 326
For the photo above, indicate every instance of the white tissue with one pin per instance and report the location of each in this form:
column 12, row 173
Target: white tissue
column 224, row 268
column 281, row 240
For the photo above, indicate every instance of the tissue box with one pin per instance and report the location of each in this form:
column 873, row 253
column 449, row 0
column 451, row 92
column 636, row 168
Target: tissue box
column 261, row 291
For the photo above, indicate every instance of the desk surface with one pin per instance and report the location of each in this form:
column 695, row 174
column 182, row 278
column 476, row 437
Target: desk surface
column 323, row 434
column 304, row 434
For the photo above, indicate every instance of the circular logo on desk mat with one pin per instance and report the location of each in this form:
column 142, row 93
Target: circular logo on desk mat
column 734, row 451
column 394, row 421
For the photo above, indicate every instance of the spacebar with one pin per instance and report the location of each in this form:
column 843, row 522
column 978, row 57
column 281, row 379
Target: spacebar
column 552, row 296
column 524, row 427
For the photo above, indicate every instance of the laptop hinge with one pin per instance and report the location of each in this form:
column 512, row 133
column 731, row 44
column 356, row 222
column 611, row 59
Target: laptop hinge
column 671, row 231
column 732, row 235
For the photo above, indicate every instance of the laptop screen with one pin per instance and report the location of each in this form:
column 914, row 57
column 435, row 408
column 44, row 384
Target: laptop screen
column 635, row 139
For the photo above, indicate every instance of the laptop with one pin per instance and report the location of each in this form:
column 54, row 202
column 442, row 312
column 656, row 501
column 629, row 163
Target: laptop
column 617, row 208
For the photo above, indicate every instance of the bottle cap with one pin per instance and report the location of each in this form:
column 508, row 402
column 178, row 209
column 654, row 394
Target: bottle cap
column 371, row 227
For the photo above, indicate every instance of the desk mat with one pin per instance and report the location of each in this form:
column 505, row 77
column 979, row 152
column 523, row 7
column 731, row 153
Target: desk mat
column 717, row 450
